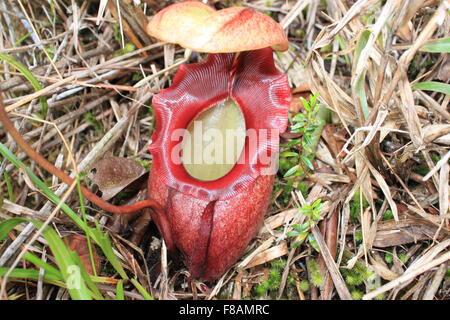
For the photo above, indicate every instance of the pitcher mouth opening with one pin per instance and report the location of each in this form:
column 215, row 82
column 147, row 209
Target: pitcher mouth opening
column 214, row 141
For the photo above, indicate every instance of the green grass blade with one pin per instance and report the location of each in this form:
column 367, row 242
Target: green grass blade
column 83, row 213
column 433, row 86
column 6, row 226
column 141, row 289
column 437, row 46
column 120, row 294
column 360, row 83
column 22, row 39
column 42, row 264
column 105, row 244
column 9, row 186
column 29, row 274
column 29, row 76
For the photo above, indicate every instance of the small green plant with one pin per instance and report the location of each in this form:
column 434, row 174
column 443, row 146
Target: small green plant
column 421, row 169
column 302, row 232
column 90, row 118
column 117, row 32
column 50, row 51
column 306, row 123
column 355, row 206
column 137, row 76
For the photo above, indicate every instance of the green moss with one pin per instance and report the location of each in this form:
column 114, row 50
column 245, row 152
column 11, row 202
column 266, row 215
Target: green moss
column 363, row 270
column 388, row 215
column 260, row 290
column 421, row 169
column 353, row 279
column 303, row 188
column 356, row 276
column 403, row 257
column 314, row 271
column 357, row 295
column 299, row 33
column 388, row 257
column 278, row 264
column 304, row 285
column 145, row 163
column 381, row 296
column 284, row 197
column 271, row 286
column 137, row 76
column 358, row 236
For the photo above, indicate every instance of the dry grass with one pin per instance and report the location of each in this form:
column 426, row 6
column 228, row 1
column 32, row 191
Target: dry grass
column 381, row 168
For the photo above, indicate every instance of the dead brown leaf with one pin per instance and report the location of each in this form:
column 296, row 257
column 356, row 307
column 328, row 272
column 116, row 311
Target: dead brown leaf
column 268, row 255
column 391, row 233
column 114, row 174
